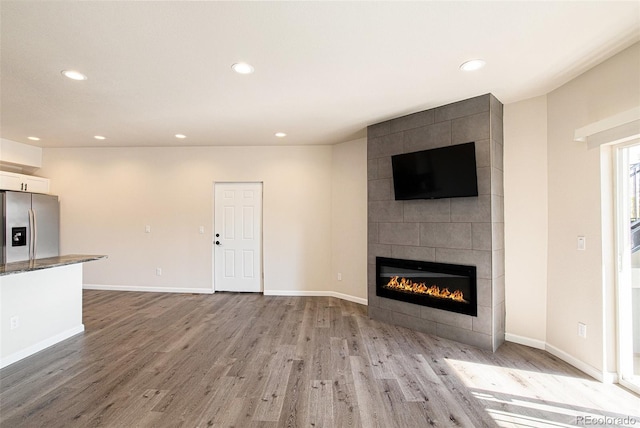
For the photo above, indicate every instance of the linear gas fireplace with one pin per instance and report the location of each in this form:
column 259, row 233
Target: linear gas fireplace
column 438, row 285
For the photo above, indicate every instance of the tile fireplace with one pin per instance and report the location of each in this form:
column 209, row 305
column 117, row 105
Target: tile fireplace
column 465, row 231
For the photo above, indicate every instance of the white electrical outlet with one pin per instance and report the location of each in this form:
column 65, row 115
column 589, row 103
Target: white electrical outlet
column 147, row 229
column 201, row 229
column 582, row 330
column 159, row 271
column 339, row 276
column 15, row 322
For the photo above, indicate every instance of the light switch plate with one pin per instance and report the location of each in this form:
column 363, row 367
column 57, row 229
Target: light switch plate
column 582, row 243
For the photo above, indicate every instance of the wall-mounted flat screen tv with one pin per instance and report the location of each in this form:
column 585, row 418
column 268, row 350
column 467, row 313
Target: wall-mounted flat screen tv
column 445, row 172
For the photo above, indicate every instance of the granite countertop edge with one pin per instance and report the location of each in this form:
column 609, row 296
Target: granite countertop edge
column 47, row 263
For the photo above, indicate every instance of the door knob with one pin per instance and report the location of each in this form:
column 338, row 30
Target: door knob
column 217, row 242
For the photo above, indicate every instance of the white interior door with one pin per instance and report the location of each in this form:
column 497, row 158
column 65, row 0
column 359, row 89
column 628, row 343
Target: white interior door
column 238, row 237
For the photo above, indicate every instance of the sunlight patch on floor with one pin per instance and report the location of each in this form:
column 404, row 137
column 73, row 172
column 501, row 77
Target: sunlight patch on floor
column 509, row 419
column 525, row 398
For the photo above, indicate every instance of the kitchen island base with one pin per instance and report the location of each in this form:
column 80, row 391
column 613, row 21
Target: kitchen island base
column 39, row 308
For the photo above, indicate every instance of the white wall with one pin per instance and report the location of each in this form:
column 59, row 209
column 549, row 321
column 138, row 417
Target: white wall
column 526, row 223
column 577, row 184
column 108, row 195
column 575, row 290
column 349, row 218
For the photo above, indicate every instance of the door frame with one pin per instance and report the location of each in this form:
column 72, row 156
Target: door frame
column 623, row 308
column 213, row 230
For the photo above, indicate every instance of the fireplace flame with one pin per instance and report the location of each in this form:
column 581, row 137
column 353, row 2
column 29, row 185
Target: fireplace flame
column 407, row 285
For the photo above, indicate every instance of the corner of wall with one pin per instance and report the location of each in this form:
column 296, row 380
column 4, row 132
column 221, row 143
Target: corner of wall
column 526, row 219
column 349, row 220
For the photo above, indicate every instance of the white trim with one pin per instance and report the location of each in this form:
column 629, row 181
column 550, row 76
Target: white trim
column 604, row 377
column 37, row 347
column 335, row 294
column 607, row 123
column 146, row 289
column 526, row 341
column 629, row 385
column 610, row 377
column 618, row 128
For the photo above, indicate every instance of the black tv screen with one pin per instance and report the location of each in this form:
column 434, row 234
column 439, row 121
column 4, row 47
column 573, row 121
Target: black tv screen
column 445, row 172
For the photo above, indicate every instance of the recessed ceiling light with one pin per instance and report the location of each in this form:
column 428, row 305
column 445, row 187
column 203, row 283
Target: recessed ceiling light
column 242, row 68
column 472, row 65
column 73, row 74
column 280, row 134
column 181, row 136
column 34, row 138
column 99, row 137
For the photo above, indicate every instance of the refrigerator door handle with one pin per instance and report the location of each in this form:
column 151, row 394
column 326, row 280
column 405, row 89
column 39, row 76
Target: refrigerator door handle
column 34, row 234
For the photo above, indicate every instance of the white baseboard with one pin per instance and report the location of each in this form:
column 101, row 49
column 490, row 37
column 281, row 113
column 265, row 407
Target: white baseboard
column 335, row 294
column 608, row 377
column 580, row 365
column 146, row 289
column 37, row 347
column 604, row 377
column 209, row 291
column 532, row 343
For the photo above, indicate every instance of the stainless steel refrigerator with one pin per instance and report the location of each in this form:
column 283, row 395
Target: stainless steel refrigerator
column 30, row 226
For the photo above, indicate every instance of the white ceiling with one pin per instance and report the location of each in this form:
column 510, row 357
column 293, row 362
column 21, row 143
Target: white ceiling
column 323, row 70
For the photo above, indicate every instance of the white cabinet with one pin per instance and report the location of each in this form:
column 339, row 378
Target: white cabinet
column 36, row 184
column 23, row 183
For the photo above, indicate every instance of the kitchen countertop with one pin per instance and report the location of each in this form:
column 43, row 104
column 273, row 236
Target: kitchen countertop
column 49, row 262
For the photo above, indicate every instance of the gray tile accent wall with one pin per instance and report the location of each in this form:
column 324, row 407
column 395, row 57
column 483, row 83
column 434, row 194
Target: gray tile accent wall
column 466, row 231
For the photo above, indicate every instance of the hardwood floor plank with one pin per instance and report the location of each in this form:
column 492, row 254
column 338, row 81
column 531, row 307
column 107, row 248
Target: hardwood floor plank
column 323, row 316
column 377, row 350
column 295, row 404
column 320, row 414
column 216, row 400
column 406, row 415
column 230, row 412
column 354, row 337
column 417, row 381
column 372, row 414
column 344, row 392
column 249, row 375
column 320, row 354
column 467, row 398
column 272, row 396
column 303, row 347
column 142, row 403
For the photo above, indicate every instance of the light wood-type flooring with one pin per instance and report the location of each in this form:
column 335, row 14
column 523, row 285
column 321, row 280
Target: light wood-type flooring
column 248, row 360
